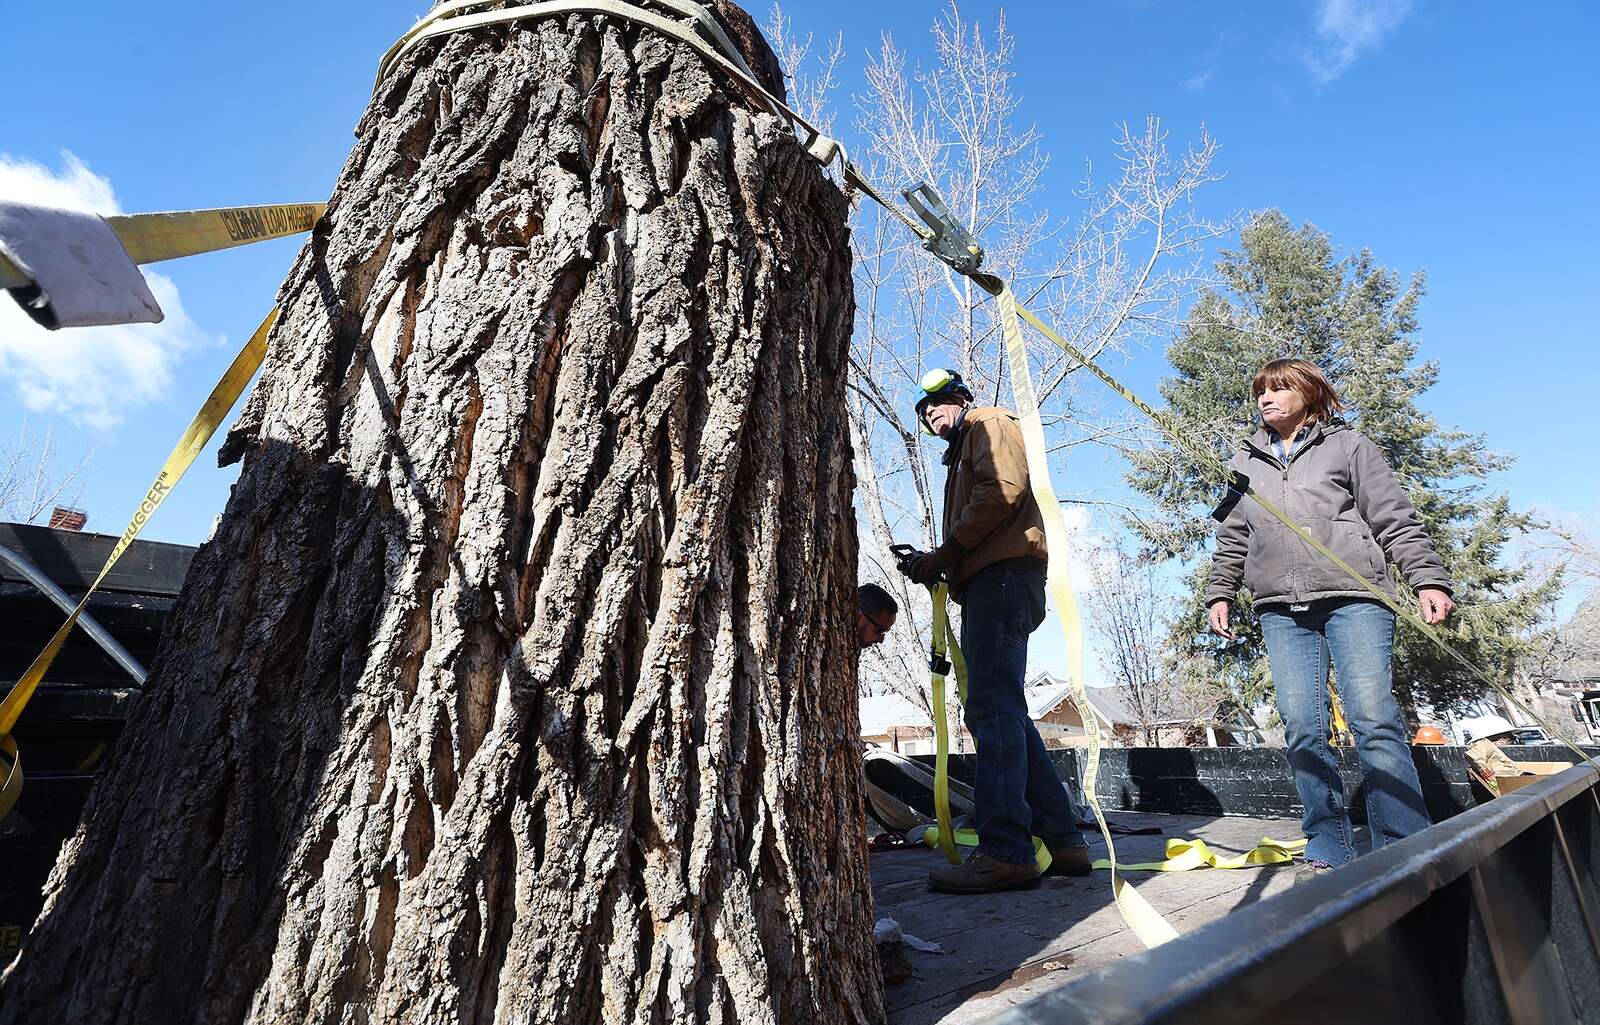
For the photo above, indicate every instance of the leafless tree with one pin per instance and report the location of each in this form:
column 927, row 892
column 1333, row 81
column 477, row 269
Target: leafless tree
column 1561, row 652
column 1564, row 650
column 1110, row 277
column 809, row 75
column 1563, row 656
column 1572, row 545
column 30, row 482
column 1126, row 607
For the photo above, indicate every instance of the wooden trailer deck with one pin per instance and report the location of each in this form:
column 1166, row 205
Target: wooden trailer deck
column 1003, row 948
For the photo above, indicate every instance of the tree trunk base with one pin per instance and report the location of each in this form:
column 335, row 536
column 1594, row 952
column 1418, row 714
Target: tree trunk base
column 518, row 682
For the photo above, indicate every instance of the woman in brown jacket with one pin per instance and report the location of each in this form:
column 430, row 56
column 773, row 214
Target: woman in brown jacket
column 1335, row 484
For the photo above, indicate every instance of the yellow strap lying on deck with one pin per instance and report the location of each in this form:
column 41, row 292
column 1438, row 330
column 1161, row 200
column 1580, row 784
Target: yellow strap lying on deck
column 1182, row 855
column 194, row 439
column 1185, row 855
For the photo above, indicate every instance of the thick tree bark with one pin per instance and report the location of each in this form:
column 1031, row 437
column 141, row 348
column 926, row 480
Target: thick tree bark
column 518, row 682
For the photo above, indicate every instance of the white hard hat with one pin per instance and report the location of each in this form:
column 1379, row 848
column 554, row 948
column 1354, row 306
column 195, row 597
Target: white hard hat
column 1481, row 726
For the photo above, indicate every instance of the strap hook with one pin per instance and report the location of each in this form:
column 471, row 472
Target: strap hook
column 950, row 240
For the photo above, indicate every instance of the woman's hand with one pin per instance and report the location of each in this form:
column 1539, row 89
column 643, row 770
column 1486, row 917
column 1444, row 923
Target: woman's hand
column 1219, row 620
column 1436, row 605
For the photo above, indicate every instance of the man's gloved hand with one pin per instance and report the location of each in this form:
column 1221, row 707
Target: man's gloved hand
column 926, row 569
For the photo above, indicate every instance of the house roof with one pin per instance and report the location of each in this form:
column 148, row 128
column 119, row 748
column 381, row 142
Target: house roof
column 1046, row 693
column 881, row 712
column 1110, row 705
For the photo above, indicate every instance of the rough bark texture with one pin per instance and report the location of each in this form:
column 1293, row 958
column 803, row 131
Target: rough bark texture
column 517, row 684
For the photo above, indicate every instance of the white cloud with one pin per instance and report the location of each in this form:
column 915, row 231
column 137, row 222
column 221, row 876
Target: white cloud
column 94, row 375
column 74, row 188
column 1199, row 80
column 1349, row 28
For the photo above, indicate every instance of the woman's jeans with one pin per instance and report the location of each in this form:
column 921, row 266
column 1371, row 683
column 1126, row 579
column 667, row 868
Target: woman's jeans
column 1018, row 794
column 1359, row 635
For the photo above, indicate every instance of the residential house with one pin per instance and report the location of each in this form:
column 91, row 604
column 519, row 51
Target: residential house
column 893, row 722
column 1051, row 707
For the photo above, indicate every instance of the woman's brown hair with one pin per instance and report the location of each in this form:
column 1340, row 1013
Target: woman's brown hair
column 1322, row 402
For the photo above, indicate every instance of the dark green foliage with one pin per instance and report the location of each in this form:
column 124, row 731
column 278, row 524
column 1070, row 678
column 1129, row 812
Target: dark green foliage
column 1287, row 293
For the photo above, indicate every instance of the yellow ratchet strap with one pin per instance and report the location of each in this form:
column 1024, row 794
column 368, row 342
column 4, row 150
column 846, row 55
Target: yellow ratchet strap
column 942, row 835
column 1147, row 923
column 1186, row 855
column 953, row 649
column 194, row 439
column 153, row 237
column 941, row 726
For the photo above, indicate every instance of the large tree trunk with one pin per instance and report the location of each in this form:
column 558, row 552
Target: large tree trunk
column 517, row 684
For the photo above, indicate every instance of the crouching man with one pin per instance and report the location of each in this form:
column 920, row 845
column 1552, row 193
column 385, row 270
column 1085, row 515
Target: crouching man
column 876, row 611
column 994, row 558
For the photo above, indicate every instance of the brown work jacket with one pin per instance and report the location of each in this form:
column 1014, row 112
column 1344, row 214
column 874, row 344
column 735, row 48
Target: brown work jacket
column 988, row 504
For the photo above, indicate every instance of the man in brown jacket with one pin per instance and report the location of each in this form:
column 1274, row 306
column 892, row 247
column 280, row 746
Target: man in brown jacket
column 994, row 558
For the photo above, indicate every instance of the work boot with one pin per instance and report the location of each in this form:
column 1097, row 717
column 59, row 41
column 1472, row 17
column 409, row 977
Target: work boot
column 1070, row 860
column 983, row 873
column 1306, row 870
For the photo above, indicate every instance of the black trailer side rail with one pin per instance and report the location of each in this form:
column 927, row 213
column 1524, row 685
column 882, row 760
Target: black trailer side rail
column 91, row 626
column 1490, row 917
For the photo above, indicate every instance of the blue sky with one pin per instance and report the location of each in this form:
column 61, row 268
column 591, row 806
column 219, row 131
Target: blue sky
column 1461, row 138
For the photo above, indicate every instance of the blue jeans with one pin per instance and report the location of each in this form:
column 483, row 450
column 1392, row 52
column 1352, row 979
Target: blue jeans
column 1359, row 635
column 1018, row 794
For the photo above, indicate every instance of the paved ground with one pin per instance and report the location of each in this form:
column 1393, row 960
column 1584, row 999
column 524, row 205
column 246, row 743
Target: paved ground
column 1004, row 948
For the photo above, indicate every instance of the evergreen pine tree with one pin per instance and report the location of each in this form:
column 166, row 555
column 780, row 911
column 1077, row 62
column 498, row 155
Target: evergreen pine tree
column 1286, row 292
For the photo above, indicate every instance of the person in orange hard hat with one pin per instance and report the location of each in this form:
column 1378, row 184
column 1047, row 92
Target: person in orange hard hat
column 1429, row 735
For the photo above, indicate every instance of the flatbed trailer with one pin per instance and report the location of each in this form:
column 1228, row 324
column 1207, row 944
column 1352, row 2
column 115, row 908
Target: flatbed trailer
column 1489, row 918
column 1005, row 948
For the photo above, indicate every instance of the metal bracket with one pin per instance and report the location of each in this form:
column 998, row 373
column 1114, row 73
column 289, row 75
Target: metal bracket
column 76, row 271
column 35, row 576
column 950, row 241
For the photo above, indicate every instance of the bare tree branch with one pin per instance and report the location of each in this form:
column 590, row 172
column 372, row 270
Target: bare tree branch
column 30, row 483
column 1112, row 277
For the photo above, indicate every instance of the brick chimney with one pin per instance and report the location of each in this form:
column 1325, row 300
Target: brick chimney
column 68, row 519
